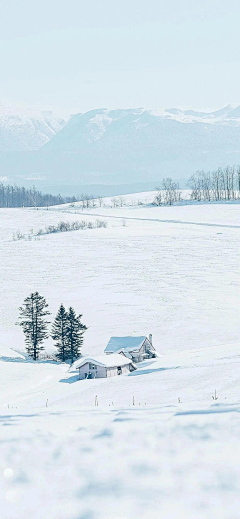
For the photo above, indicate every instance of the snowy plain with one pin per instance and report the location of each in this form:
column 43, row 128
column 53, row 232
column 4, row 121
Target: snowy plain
column 170, row 271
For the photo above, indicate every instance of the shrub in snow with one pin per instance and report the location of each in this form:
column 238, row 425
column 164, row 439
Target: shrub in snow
column 18, row 236
column 101, row 223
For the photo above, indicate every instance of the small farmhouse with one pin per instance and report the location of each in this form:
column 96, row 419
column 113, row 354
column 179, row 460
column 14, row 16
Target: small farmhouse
column 135, row 348
column 104, row 366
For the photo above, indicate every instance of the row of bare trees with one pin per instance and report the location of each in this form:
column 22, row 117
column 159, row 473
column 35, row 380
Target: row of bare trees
column 222, row 184
column 90, row 201
column 168, row 192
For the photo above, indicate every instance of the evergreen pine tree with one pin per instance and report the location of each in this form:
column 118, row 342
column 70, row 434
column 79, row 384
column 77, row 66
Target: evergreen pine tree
column 75, row 334
column 60, row 333
column 32, row 319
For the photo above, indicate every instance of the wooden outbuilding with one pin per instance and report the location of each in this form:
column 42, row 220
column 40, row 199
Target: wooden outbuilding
column 135, row 348
column 104, row 366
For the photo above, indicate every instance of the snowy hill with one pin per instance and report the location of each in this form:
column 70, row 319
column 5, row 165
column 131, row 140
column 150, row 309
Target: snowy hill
column 169, row 271
column 25, row 129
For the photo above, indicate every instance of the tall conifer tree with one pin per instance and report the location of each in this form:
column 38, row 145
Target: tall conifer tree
column 60, row 334
column 75, row 334
column 33, row 321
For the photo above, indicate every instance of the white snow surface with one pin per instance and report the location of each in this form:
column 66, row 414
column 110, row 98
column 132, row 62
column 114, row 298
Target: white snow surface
column 170, row 271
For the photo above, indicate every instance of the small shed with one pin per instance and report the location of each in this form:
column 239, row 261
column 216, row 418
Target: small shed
column 104, row 366
column 135, row 348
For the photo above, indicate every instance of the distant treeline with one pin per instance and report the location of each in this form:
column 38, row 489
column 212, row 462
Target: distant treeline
column 222, row 184
column 14, row 196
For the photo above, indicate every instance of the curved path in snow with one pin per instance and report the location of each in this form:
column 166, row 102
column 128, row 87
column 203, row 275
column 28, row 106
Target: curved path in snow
column 181, row 222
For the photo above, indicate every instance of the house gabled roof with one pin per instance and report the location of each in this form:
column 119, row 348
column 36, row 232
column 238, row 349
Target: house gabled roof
column 107, row 361
column 125, row 344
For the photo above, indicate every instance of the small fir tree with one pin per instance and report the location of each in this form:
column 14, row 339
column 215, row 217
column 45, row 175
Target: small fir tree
column 60, row 333
column 33, row 321
column 75, row 334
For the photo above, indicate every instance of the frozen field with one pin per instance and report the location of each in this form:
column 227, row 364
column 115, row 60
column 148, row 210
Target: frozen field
column 173, row 272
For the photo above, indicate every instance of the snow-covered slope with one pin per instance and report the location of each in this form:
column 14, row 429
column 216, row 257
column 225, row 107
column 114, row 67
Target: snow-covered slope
column 161, row 461
column 169, row 271
column 24, row 129
column 145, row 272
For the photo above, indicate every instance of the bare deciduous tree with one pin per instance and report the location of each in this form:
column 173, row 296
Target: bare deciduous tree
column 168, row 192
column 114, row 202
column 222, row 184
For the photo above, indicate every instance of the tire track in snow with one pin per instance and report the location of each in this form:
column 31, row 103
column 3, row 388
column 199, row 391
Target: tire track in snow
column 180, row 222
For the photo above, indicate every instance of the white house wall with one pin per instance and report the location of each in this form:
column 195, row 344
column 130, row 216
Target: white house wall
column 113, row 372
column 126, row 369
column 101, row 371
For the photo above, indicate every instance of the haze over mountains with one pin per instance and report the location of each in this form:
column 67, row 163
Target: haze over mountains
column 25, row 129
column 110, row 147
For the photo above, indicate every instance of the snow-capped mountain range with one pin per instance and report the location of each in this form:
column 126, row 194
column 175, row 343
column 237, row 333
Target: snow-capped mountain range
column 24, row 129
column 230, row 115
column 116, row 146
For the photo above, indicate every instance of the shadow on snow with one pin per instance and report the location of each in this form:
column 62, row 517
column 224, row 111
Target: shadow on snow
column 70, row 380
column 147, row 371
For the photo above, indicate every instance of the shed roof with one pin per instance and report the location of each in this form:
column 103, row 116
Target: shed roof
column 125, row 344
column 107, row 361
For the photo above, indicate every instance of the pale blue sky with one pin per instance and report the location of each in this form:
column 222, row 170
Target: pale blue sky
column 74, row 56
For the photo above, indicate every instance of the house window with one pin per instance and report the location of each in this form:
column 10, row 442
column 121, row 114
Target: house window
column 119, row 370
column 92, row 366
column 85, row 375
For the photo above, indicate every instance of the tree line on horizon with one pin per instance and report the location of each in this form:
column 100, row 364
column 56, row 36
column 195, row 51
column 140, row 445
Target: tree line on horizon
column 67, row 329
column 222, row 184
column 14, row 196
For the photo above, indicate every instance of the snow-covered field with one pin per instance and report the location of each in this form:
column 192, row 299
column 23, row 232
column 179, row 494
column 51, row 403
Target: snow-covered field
column 121, row 463
column 170, row 271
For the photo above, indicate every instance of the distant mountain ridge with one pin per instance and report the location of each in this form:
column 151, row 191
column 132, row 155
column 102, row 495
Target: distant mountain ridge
column 117, row 146
column 229, row 115
column 25, row 129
